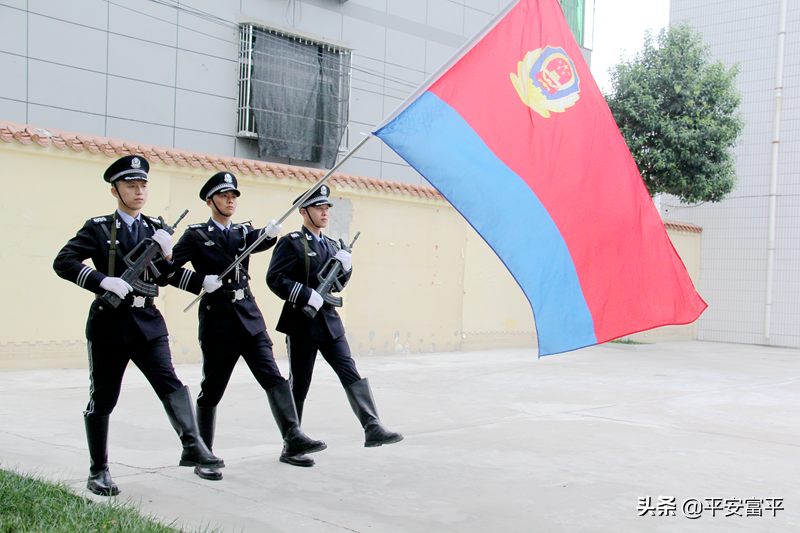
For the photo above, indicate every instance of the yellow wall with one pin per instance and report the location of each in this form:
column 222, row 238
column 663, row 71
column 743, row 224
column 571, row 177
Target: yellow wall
column 687, row 244
column 424, row 280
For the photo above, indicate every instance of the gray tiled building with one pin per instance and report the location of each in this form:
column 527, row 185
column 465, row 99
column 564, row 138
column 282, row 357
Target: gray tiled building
column 735, row 269
column 166, row 72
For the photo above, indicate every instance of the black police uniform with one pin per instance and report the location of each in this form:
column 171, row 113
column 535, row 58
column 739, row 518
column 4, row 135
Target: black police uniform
column 231, row 325
column 127, row 332
column 289, row 279
column 292, row 275
column 134, row 331
column 230, row 322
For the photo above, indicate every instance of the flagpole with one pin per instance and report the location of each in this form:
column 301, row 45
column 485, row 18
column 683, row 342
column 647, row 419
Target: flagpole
column 299, row 201
column 461, row 52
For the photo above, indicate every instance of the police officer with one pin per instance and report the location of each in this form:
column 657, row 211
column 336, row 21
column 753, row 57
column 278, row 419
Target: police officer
column 135, row 330
column 231, row 325
column 292, row 275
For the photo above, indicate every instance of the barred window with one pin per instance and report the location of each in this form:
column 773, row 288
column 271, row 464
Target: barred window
column 293, row 95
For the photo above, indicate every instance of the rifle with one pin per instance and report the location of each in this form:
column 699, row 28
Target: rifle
column 138, row 261
column 329, row 279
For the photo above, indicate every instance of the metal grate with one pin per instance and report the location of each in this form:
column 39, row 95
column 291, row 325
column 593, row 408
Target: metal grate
column 247, row 114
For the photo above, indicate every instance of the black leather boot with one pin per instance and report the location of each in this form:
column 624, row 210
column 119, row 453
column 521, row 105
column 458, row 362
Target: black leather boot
column 100, row 481
column 206, row 422
column 363, row 404
column 295, row 443
column 181, row 415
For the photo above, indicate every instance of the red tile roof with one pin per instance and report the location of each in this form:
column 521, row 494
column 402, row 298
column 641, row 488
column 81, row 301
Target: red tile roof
column 26, row 135
column 682, row 226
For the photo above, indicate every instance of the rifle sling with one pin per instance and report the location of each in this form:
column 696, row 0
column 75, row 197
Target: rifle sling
column 112, row 244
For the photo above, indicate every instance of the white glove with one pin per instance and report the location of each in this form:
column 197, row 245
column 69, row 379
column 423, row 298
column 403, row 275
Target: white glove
column 211, row 283
column 118, row 286
column 164, row 240
column 316, row 300
column 346, row 259
column 273, row 229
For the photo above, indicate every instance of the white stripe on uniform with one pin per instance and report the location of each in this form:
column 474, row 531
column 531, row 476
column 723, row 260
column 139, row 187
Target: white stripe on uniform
column 83, row 275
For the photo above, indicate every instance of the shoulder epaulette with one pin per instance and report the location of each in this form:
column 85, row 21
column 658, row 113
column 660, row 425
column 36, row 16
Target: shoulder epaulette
column 195, row 226
column 295, row 235
column 99, row 220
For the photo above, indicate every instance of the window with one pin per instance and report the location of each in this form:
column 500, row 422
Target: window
column 293, row 94
column 580, row 17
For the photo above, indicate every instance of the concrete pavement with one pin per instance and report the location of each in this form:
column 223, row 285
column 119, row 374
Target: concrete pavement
column 496, row 441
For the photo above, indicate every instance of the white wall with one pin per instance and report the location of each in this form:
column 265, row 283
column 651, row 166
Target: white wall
column 734, row 256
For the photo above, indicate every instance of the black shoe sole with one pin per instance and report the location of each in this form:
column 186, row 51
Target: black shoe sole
column 100, row 492
column 214, row 476
column 186, row 462
column 376, row 443
column 290, row 461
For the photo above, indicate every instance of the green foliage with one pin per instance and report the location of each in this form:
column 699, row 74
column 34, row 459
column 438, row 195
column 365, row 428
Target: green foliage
column 28, row 505
column 678, row 113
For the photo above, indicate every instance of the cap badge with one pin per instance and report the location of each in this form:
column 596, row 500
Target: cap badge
column 324, row 190
column 135, row 163
column 228, row 178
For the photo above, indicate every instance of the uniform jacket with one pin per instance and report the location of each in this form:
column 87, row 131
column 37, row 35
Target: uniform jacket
column 210, row 253
column 287, row 278
column 106, row 324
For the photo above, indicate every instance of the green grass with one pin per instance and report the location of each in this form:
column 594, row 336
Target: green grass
column 29, row 505
column 627, row 341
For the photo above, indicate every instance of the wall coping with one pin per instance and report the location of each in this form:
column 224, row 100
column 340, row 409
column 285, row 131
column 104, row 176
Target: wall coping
column 27, row 135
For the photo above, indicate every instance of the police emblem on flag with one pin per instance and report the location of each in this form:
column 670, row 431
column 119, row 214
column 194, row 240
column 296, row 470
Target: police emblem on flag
column 547, row 81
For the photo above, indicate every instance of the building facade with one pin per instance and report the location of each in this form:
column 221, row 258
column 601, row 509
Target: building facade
column 168, row 73
column 750, row 262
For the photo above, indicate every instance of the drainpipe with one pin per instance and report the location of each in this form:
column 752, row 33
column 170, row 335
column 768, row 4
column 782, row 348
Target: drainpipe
column 773, row 182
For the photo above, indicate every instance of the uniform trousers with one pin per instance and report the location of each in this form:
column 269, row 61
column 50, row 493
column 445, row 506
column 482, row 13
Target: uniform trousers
column 220, row 355
column 302, row 355
column 107, row 363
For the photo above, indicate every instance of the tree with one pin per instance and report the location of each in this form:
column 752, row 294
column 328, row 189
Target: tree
column 678, row 112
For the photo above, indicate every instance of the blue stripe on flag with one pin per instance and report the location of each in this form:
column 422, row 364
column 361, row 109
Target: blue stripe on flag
column 434, row 139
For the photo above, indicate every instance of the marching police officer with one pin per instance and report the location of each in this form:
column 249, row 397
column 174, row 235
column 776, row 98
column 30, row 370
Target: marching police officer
column 231, row 325
column 292, row 275
column 133, row 331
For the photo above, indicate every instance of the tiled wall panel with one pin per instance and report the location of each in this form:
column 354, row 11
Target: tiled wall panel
column 13, row 67
column 13, row 28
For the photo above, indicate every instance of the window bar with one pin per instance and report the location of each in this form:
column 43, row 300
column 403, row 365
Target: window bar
column 246, row 118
